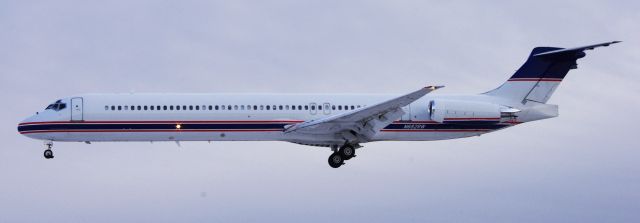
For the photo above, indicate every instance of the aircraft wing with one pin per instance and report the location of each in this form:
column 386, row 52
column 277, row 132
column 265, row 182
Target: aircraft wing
column 361, row 124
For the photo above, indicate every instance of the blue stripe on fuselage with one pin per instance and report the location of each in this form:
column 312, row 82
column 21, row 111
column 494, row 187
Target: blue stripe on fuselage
column 239, row 126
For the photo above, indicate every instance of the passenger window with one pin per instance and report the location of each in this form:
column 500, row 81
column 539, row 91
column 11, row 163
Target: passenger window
column 210, row 107
column 333, row 107
column 145, row 107
column 353, row 107
column 293, row 107
column 280, row 107
column 235, row 107
column 306, row 107
column 198, row 107
column 268, row 107
column 106, row 107
column 119, row 107
column 113, row 108
column 171, row 107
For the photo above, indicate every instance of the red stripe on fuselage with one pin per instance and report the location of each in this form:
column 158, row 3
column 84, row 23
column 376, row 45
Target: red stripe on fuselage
column 152, row 130
column 238, row 130
column 162, row 122
column 472, row 119
column 436, row 130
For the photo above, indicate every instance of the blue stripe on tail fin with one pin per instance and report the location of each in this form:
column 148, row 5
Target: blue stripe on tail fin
column 539, row 67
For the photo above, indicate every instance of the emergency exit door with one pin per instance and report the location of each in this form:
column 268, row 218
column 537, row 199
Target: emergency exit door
column 76, row 109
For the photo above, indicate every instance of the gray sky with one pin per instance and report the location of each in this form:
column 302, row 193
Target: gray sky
column 579, row 167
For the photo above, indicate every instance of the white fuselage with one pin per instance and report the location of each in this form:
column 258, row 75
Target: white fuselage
column 230, row 117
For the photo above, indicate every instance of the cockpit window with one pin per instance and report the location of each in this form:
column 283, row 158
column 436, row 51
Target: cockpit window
column 56, row 106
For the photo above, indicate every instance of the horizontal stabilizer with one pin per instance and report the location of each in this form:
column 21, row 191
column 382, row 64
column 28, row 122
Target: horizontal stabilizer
column 572, row 51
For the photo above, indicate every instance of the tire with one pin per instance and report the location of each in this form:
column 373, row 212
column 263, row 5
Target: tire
column 336, row 160
column 347, row 152
column 48, row 154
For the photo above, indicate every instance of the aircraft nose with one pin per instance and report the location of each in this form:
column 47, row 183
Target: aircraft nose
column 21, row 125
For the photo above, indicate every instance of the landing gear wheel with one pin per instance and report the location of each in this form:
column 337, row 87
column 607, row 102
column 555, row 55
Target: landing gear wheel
column 48, row 154
column 336, row 160
column 347, row 152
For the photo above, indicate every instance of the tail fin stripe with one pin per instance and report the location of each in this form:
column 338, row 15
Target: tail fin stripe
column 536, row 79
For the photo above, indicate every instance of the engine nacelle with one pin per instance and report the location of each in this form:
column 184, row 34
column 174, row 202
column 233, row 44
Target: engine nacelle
column 465, row 112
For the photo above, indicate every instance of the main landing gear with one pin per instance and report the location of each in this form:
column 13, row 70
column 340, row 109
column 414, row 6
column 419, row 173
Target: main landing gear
column 337, row 158
column 48, row 153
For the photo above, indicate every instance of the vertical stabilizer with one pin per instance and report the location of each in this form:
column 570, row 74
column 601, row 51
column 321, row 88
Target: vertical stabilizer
column 540, row 75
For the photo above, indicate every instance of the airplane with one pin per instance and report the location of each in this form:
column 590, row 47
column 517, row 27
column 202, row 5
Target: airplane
column 341, row 122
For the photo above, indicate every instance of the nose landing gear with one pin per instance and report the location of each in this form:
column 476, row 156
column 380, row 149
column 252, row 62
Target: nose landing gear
column 48, row 153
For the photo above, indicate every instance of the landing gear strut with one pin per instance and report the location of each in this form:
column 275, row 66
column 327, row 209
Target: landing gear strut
column 48, row 153
column 337, row 158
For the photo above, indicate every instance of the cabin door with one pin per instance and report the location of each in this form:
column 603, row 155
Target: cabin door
column 76, row 109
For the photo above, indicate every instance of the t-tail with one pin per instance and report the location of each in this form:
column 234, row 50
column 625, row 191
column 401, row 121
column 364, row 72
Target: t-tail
column 541, row 74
